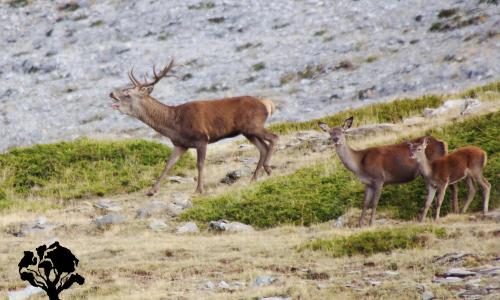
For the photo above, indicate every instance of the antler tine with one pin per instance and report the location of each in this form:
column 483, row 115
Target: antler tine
column 158, row 76
column 133, row 79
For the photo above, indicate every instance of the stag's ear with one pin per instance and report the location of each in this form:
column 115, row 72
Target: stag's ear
column 347, row 123
column 324, row 126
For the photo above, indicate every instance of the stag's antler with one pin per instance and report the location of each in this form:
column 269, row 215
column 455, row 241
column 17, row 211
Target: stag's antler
column 158, row 77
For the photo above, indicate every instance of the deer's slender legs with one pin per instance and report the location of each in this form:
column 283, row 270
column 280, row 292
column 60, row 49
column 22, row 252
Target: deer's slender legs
column 431, row 192
column 272, row 139
column 262, row 151
column 201, row 152
column 377, row 189
column 486, row 188
column 176, row 154
column 454, row 197
column 367, row 200
column 470, row 194
column 439, row 200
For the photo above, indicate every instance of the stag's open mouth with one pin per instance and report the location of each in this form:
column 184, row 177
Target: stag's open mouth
column 115, row 105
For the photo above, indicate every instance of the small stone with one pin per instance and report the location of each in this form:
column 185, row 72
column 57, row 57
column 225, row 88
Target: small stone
column 427, row 295
column 154, row 207
column 110, row 219
column 189, row 227
column 233, row 176
column 157, row 225
column 391, row 273
column 25, row 293
column 373, row 282
column 447, row 280
column 457, row 272
column 223, row 225
column 209, row 285
column 223, row 285
column 179, row 179
column 174, row 210
column 264, row 280
column 339, row 222
column 182, row 200
column 108, row 207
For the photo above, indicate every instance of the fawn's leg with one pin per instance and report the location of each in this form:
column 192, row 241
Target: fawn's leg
column 486, row 188
column 439, row 200
column 470, row 194
column 431, row 191
column 454, row 197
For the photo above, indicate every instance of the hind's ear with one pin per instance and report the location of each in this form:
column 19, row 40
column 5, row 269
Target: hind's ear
column 324, row 126
column 347, row 123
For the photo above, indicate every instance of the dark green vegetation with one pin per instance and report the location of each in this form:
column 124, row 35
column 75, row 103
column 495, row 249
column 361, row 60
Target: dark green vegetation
column 324, row 191
column 393, row 111
column 83, row 168
column 376, row 241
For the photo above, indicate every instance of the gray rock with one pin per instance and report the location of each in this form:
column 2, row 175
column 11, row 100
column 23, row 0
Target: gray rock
column 157, row 225
column 223, row 225
column 107, row 206
column 208, row 285
column 264, row 280
column 182, row 200
column 233, row 176
column 25, row 293
column 223, row 285
column 179, row 179
column 447, row 280
column 339, row 222
column 174, row 210
column 106, row 220
column 493, row 216
column 189, row 227
column 457, row 272
column 154, row 207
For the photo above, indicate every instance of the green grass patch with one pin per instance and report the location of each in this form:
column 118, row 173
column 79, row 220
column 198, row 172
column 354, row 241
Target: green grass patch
column 324, row 191
column 376, row 241
column 393, row 111
column 83, row 168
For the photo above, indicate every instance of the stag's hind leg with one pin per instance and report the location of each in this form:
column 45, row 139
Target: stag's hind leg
column 263, row 150
column 271, row 139
column 201, row 153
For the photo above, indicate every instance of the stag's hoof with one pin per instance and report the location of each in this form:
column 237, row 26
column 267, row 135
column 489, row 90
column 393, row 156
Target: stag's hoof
column 268, row 170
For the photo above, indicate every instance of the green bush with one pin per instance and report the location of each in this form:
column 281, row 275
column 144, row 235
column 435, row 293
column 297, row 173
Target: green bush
column 325, row 191
column 375, row 241
column 84, row 168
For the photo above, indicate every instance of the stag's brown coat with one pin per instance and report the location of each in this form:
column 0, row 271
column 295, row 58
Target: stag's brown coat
column 198, row 123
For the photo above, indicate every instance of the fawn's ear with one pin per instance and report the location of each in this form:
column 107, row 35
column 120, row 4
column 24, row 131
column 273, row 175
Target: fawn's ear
column 347, row 123
column 324, row 126
column 425, row 142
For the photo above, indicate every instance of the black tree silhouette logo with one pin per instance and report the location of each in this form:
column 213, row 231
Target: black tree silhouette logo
column 51, row 269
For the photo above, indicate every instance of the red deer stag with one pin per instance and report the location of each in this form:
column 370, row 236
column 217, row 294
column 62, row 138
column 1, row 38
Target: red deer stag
column 464, row 163
column 198, row 123
column 378, row 166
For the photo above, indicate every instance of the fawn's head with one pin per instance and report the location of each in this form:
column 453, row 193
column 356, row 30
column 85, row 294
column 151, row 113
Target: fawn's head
column 417, row 150
column 130, row 100
column 337, row 133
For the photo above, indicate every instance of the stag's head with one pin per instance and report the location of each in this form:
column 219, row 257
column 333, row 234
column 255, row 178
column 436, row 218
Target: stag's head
column 130, row 100
column 417, row 150
column 337, row 133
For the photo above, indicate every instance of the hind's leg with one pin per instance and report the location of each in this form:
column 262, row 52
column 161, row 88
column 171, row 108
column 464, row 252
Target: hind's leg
column 470, row 194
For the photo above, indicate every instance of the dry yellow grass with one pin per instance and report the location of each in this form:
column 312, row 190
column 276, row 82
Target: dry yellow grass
column 129, row 261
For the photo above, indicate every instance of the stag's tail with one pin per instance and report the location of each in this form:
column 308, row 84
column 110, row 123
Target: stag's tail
column 271, row 108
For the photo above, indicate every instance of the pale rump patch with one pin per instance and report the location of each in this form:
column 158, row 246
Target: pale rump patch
column 270, row 107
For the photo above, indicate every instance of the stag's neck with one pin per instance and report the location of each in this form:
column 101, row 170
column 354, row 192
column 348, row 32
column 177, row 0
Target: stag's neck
column 157, row 115
column 349, row 157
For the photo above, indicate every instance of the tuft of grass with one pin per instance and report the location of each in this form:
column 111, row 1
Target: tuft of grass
column 217, row 20
column 309, row 72
column 376, row 241
column 394, row 111
column 259, row 66
column 371, row 59
column 248, row 46
column 84, row 168
column 446, row 13
column 202, row 5
column 18, row 3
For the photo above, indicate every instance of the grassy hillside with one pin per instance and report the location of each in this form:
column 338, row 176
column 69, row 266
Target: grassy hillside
column 393, row 111
column 325, row 191
column 82, row 168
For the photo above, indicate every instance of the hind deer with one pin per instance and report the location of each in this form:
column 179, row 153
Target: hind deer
column 379, row 166
column 465, row 163
column 198, row 123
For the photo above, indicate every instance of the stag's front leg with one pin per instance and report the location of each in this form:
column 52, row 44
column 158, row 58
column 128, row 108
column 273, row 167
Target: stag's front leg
column 176, row 153
column 201, row 152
